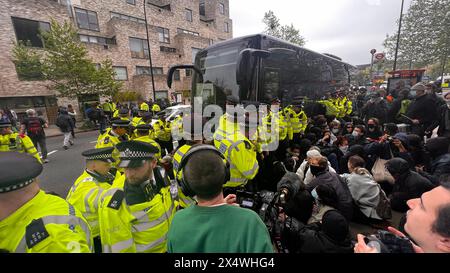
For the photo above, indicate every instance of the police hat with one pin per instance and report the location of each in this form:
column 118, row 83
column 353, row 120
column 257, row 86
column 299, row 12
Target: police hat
column 143, row 127
column 4, row 124
column 298, row 101
column 102, row 154
column 120, row 123
column 233, row 100
column 134, row 153
column 123, row 111
column 275, row 100
column 17, row 170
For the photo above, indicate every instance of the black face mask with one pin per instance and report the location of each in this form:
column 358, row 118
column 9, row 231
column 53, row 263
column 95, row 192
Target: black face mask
column 316, row 170
column 371, row 126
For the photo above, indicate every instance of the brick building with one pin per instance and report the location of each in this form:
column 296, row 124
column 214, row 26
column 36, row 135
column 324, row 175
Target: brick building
column 113, row 29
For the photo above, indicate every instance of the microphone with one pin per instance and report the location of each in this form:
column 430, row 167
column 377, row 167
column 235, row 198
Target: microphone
column 288, row 187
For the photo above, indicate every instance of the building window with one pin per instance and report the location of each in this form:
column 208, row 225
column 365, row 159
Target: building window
column 27, row 31
column 87, row 19
column 201, row 9
column 164, row 36
column 221, row 8
column 194, row 53
column 145, row 70
column 121, row 73
column 188, row 72
column 211, row 41
column 127, row 17
column 161, row 94
column 176, row 75
column 132, row 2
column 188, row 13
column 97, row 40
column 226, row 27
column 139, row 48
column 180, row 30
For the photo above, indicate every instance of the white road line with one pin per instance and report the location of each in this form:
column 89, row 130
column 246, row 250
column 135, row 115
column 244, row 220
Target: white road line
column 95, row 141
column 52, row 152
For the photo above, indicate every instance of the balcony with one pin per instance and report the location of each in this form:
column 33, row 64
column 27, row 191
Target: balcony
column 161, row 4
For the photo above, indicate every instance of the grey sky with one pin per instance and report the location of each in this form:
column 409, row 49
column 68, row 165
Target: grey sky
column 346, row 28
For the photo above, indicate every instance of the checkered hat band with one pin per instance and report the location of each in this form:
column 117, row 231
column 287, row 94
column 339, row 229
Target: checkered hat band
column 99, row 157
column 136, row 154
column 16, row 187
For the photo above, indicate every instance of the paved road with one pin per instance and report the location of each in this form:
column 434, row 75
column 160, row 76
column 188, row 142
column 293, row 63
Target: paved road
column 65, row 165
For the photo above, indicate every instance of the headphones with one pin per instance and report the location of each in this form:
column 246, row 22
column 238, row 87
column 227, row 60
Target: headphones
column 184, row 184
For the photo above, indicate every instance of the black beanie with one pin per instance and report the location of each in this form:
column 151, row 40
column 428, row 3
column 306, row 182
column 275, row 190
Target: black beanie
column 335, row 226
column 437, row 146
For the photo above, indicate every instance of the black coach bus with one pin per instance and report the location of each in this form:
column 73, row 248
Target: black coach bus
column 259, row 67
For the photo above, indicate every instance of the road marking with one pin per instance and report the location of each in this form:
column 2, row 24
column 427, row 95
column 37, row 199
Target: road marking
column 52, row 152
column 95, row 141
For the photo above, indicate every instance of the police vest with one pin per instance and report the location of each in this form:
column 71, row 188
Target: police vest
column 85, row 195
column 238, row 151
column 45, row 224
column 18, row 143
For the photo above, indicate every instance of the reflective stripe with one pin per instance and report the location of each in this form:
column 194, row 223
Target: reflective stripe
column 60, row 220
column 238, row 180
column 250, row 172
column 148, row 225
column 86, row 200
column 142, row 248
column 69, row 220
column 97, row 197
column 118, row 247
column 187, row 201
column 22, row 247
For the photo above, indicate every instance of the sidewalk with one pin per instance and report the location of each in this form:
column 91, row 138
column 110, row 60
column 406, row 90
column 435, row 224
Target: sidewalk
column 53, row 130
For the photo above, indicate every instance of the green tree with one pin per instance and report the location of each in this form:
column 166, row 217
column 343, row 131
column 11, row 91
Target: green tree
column 66, row 65
column 287, row 32
column 28, row 63
column 425, row 35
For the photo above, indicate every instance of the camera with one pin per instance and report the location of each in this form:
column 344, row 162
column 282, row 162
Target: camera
column 386, row 242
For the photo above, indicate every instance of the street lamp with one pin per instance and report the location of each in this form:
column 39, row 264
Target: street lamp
column 373, row 51
column 398, row 36
column 149, row 50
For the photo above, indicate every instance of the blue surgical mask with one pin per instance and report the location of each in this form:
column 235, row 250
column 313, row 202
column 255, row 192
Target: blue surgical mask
column 314, row 194
column 413, row 93
column 355, row 134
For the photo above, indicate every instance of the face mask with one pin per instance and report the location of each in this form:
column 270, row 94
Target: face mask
column 428, row 91
column 343, row 149
column 335, row 131
column 314, row 194
column 355, row 134
column 371, row 129
column 413, row 93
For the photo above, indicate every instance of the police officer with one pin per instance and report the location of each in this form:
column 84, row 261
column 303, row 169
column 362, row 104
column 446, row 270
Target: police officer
column 230, row 140
column 32, row 221
column 15, row 142
column 144, row 106
column 124, row 114
column 277, row 121
column 85, row 193
column 114, row 136
column 143, row 133
column 155, row 108
column 192, row 137
column 136, row 212
column 296, row 119
column 163, row 134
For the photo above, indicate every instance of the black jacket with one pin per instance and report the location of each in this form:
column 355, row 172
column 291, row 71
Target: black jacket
column 443, row 130
column 408, row 184
column 345, row 202
column 64, row 122
column 439, row 166
column 423, row 109
column 381, row 150
column 301, row 238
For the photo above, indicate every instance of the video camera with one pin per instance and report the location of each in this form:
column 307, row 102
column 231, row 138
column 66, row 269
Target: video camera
column 269, row 204
column 386, row 242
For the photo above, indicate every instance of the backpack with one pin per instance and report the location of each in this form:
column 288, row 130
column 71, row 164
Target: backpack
column 34, row 127
column 384, row 206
